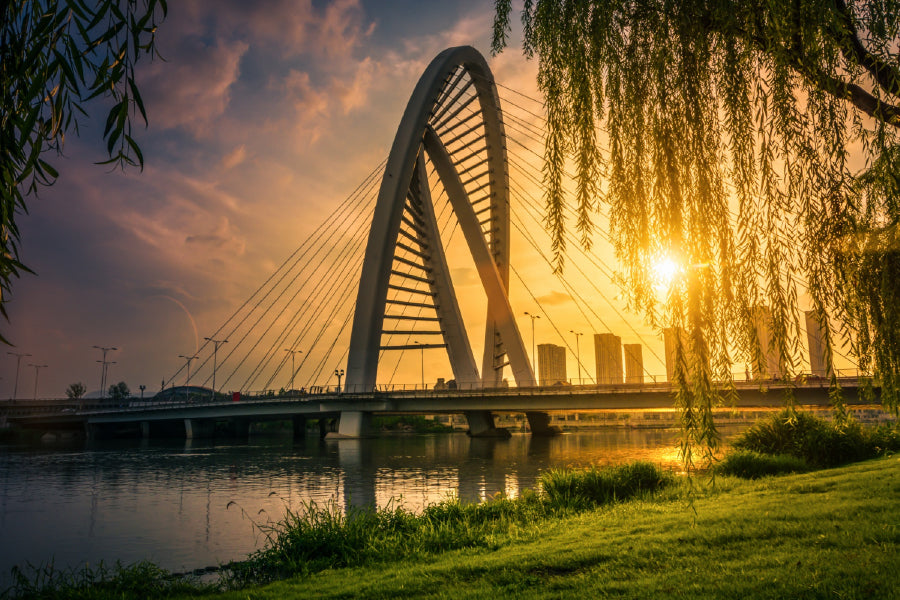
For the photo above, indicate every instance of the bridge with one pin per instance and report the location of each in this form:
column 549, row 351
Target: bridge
column 448, row 170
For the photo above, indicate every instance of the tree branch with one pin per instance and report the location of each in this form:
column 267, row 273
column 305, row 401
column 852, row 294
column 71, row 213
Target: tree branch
column 885, row 74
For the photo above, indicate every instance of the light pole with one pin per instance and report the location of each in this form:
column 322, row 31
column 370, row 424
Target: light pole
column 216, row 344
column 577, row 352
column 422, row 348
column 142, row 388
column 339, row 373
column 293, row 353
column 188, row 359
column 37, row 369
column 103, row 366
column 18, row 356
column 533, row 355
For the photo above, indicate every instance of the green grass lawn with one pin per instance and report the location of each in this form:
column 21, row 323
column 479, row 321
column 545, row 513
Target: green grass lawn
column 827, row 534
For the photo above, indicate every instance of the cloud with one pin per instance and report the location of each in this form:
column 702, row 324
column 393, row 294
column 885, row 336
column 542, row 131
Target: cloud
column 192, row 88
column 234, row 158
column 554, row 298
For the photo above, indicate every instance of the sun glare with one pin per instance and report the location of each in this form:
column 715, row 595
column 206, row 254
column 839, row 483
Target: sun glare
column 665, row 270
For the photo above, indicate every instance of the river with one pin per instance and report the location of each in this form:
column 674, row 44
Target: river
column 186, row 505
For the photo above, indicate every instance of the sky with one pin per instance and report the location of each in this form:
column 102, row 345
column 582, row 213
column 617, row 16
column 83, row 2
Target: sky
column 264, row 116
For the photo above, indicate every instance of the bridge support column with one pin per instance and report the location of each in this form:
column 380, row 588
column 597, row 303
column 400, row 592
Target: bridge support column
column 197, row 428
column 539, row 423
column 299, row 424
column 353, row 424
column 481, row 425
column 145, row 429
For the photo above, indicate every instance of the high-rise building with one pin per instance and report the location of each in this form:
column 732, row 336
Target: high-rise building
column 608, row 355
column 634, row 363
column 551, row 364
column 815, row 337
column 766, row 365
column 670, row 335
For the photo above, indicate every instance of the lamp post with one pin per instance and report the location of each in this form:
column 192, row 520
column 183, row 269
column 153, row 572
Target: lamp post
column 339, row 373
column 187, row 381
column 293, row 353
column 104, row 372
column 216, row 344
column 103, row 365
column 142, row 388
column 37, row 369
column 18, row 356
column 422, row 348
column 577, row 352
column 533, row 355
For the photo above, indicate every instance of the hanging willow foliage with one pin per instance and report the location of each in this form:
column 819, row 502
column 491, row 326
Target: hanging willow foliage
column 730, row 125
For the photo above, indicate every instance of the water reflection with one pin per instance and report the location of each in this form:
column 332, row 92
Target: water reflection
column 193, row 504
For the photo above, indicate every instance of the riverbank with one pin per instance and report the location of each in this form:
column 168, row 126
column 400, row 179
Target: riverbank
column 830, row 533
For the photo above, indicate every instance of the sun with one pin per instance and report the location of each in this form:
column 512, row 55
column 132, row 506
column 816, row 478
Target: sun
column 665, row 270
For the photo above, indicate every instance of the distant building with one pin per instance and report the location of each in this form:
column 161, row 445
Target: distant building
column 634, row 363
column 766, row 364
column 670, row 337
column 815, row 337
column 551, row 364
column 608, row 355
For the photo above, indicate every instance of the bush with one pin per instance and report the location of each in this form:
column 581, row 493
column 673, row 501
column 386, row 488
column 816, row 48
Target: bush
column 753, row 465
column 594, row 486
column 819, row 442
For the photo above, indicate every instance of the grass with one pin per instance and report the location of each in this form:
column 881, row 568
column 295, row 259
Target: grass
column 828, row 534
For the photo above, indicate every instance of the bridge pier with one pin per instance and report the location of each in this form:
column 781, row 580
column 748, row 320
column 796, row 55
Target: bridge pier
column 539, row 423
column 198, row 428
column 145, row 430
column 352, row 425
column 481, row 425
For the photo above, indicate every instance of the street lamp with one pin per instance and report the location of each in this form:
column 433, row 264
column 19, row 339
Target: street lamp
column 37, row 369
column 216, row 344
column 103, row 366
column 422, row 348
column 18, row 356
column 188, row 359
column 142, row 388
column 293, row 353
column 339, row 373
column 533, row 355
column 577, row 352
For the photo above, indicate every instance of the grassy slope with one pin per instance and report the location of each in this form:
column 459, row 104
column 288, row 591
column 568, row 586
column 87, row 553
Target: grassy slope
column 833, row 534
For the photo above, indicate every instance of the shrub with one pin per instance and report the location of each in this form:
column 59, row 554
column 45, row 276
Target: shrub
column 753, row 465
column 819, row 442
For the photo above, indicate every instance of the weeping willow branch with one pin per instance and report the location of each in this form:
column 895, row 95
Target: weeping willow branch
column 730, row 125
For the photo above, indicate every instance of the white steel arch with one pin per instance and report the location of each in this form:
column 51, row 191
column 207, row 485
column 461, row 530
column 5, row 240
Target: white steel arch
column 453, row 124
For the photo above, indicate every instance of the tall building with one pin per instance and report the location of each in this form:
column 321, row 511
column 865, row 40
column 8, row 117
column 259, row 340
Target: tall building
column 551, row 364
column 815, row 337
column 670, row 337
column 766, row 365
column 634, row 363
column 608, row 355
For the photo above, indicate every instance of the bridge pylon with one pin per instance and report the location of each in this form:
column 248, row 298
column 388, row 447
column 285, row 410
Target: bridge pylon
column 452, row 136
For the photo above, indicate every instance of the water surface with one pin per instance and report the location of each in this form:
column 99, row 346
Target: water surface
column 186, row 505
